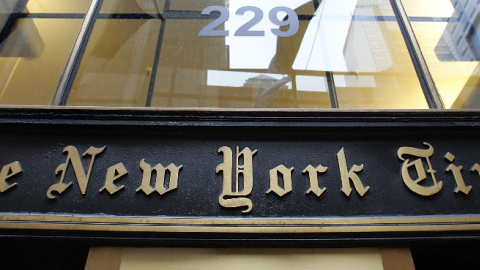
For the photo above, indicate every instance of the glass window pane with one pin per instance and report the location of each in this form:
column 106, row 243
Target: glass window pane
column 235, row 71
column 133, row 6
column 56, row 6
column 365, row 52
column 371, row 63
column 117, row 64
column 195, row 5
column 448, row 33
column 247, row 54
column 34, row 49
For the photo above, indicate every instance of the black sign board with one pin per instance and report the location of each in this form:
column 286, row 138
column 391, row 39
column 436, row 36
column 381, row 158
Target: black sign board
column 239, row 172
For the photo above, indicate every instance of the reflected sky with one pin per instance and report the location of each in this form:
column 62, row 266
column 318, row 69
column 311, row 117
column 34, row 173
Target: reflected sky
column 254, row 52
column 332, row 19
column 317, row 52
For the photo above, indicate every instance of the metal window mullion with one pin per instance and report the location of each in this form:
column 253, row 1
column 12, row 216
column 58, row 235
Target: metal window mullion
column 426, row 80
column 332, row 90
column 153, row 75
column 73, row 63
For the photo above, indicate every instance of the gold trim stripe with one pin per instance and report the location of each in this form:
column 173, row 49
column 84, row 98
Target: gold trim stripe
column 227, row 110
column 240, row 225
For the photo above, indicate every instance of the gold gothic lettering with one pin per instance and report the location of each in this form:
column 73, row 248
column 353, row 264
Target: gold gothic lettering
column 7, row 172
column 287, row 180
column 244, row 170
column 347, row 175
column 414, row 185
column 313, row 174
column 160, row 181
column 73, row 158
column 476, row 168
column 457, row 174
column 114, row 173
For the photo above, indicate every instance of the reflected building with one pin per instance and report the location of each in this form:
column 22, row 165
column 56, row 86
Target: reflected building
column 262, row 82
column 461, row 42
column 372, row 57
column 367, row 37
column 461, row 35
column 24, row 40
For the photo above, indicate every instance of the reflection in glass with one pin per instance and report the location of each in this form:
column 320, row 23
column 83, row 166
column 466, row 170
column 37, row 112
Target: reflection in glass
column 363, row 46
column 254, row 54
column 196, row 5
column 133, row 6
column 117, row 65
column 378, row 71
column 34, row 49
column 448, row 33
column 232, row 71
column 55, row 6
column 365, row 54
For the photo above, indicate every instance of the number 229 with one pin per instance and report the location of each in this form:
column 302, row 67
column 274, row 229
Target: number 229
column 244, row 30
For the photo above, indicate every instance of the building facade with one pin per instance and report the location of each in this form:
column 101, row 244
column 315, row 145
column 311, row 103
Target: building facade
column 141, row 133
